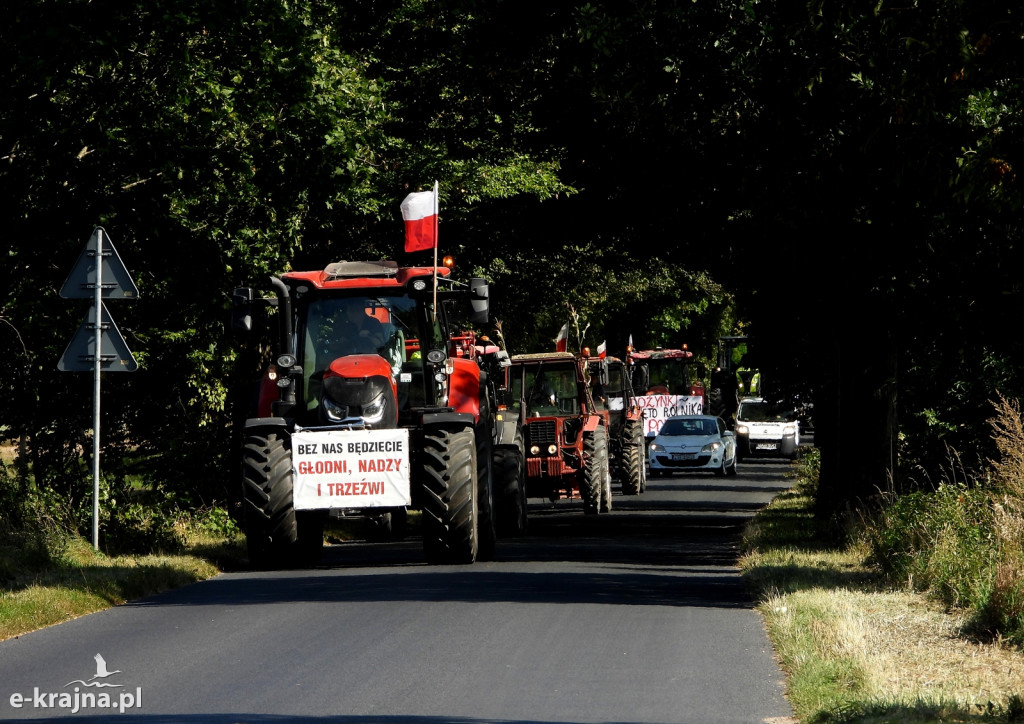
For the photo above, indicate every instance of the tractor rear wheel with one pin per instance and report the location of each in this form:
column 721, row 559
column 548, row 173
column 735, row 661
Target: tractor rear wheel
column 450, row 496
column 271, row 532
column 487, row 535
column 510, row 488
column 595, row 470
column 633, row 458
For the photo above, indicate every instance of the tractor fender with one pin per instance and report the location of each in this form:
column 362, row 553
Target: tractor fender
column 634, row 413
column 279, row 425
column 464, row 387
column 591, row 423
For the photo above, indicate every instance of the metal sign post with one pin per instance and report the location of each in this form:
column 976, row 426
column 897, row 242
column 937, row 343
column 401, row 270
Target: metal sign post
column 98, row 344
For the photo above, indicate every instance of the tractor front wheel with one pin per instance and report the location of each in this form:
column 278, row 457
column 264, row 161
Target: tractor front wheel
column 450, row 496
column 271, row 532
column 595, row 470
column 510, row 488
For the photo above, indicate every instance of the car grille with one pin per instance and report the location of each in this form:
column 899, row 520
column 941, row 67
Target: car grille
column 541, row 433
column 697, row 462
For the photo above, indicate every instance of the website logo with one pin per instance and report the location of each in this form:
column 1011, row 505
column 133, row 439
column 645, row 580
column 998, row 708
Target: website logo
column 87, row 694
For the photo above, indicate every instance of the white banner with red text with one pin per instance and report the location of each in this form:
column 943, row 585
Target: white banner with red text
column 350, row 469
column 658, row 408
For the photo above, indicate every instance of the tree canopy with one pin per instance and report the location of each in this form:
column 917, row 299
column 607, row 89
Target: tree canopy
column 837, row 180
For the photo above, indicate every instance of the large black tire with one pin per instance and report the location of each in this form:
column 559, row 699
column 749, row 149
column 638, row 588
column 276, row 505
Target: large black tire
column 633, row 458
column 606, row 489
column 595, row 470
column 487, row 533
column 449, row 496
column 271, row 532
column 510, row 488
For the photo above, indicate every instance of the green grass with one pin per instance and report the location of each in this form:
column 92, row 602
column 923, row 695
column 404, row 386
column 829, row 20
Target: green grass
column 82, row 580
column 857, row 646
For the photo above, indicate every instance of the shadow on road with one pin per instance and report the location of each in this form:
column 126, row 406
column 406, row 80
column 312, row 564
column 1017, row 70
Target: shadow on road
column 675, row 545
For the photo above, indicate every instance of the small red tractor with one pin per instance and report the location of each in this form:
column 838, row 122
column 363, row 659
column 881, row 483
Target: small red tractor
column 564, row 431
column 612, row 390
column 374, row 403
column 664, row 385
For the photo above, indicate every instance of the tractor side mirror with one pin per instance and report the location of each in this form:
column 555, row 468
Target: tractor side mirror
column 241, row 310
column 479, row 301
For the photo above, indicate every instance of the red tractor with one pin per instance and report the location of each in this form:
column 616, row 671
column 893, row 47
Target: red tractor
column 374, row 404
column 612, row 390
column 565, row 432
column 665, row 386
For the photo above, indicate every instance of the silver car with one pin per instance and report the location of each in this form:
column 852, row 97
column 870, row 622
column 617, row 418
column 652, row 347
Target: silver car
column 693, row 442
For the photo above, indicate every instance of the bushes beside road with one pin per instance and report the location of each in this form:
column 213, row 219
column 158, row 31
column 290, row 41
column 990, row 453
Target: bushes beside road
column 917, row 616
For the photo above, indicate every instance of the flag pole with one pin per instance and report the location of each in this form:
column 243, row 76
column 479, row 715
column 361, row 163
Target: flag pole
column 436, row 241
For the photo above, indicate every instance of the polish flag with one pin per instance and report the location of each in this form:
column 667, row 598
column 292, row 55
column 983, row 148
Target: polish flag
column 419, row 211
column 602, row 350
column 562, row 340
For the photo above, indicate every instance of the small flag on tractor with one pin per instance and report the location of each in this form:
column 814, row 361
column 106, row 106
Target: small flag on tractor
column 562, row 340
column 602, row 350
column 419, row 212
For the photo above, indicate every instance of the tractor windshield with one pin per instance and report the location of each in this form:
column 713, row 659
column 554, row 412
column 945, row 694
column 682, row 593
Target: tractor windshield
column 668, row 377
column 334, row 327
column 547, row 389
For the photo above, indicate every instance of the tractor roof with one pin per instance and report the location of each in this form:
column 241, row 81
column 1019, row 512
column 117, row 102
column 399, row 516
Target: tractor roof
column 360, row 274
column 544, row 357
column 649, row 354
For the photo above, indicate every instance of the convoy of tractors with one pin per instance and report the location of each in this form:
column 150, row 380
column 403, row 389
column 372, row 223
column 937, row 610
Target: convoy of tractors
column 380, row 399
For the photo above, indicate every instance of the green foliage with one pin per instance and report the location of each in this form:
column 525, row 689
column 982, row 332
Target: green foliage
column 963, row 542
column 941, row 541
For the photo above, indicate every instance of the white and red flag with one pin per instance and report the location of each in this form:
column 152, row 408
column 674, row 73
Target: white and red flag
column 562, row 340
column 602, row 350
column 419, row 211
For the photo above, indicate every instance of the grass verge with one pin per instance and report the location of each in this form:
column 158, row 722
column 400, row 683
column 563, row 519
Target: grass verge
column 83, row 581
column 857, row 648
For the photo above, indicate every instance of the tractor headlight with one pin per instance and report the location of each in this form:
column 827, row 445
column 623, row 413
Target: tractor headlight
column 552, row 449
column 334, row 411
column 373, row 412
column 535, row 450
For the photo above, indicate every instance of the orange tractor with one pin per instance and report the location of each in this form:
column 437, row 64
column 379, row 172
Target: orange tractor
column 566, row 427
column 375, row 403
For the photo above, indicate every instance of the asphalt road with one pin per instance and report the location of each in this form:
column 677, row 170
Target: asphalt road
column 635, row 616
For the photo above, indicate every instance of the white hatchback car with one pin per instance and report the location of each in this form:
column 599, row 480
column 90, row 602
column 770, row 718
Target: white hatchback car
column 693, row 442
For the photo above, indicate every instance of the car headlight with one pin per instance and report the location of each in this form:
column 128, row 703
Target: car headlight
column 655, row 447
column 335, row 412
column 711, row 447
column 742, row 430
column 789, row 430
column 373, row 412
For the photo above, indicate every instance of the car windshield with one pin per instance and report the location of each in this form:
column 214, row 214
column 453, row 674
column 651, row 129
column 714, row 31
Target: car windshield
column 696, row 426
column 765, row 412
